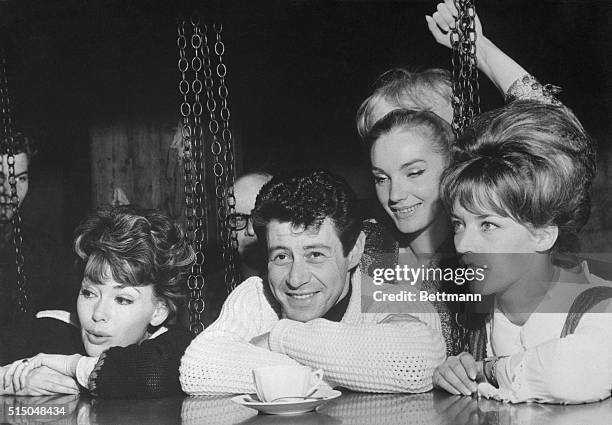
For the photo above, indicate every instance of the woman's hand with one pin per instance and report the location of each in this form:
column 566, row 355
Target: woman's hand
column 500, row 68
column 44, row 381
column 458, row 374
column 17, row 373
column 441, row 22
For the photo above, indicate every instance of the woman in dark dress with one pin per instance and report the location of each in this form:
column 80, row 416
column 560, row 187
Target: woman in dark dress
column 121, row 342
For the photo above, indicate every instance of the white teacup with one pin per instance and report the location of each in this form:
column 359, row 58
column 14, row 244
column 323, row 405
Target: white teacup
column 286, row 382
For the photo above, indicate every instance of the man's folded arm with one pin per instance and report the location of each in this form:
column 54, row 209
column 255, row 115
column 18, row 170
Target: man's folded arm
column 220, row 360
column 377, row 357
column 217, row 366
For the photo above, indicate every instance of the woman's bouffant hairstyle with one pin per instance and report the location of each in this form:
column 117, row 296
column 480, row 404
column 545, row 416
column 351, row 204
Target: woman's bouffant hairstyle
column 528, row 161
column 305, row 199
column 405, row 89
column 429, row 125
column 140, row 247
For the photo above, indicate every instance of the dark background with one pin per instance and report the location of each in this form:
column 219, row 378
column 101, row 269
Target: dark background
column 297, row 71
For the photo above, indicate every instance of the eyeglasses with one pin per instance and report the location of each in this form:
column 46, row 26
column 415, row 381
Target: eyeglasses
column 238, row 221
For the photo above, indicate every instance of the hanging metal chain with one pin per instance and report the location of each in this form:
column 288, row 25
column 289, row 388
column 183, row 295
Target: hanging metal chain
column 8, row 142
column 191, row 131
column 222, row 150
column 466, row 100
column 4, row 192
column 230, row 241
column 198, row 159
column 216, row 147
column 200, row 69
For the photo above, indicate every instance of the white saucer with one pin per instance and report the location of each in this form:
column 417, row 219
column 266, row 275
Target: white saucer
column 288, row 407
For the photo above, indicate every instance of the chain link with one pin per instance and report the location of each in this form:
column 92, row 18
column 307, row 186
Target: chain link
column 222, row 150
column 4, row 213
column 216, row 147
column 191, row 131
column 198, row 159
column 8, row 144
column 202, row 71
column 466, row 100
column 230, row 241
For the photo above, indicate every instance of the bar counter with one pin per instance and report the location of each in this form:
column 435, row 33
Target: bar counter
column 351, row 408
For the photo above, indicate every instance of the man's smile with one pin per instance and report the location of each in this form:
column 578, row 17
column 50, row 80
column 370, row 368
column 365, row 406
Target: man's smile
column 301, row 295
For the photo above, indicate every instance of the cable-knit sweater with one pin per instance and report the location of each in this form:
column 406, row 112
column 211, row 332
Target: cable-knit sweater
column 359, row 352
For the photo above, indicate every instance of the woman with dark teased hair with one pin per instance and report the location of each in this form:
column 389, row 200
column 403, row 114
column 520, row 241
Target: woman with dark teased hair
column 518, row 192
column 122, row 342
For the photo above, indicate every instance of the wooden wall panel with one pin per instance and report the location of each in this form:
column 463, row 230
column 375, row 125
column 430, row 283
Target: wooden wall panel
column 140, row 160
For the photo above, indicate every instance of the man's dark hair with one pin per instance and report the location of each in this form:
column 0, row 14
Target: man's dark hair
column 306, row 199
column 20, row 144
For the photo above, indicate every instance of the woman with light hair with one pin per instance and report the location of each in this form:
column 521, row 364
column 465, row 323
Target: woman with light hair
column 406, row 127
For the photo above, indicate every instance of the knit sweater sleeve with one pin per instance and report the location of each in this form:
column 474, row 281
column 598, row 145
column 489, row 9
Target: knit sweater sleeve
column 245, row 314
column 145, row 370
column 220, row 360
column 371, row 357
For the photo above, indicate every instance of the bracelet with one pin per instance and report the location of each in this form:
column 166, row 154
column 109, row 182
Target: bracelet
column 528, row 88
column 490, row 373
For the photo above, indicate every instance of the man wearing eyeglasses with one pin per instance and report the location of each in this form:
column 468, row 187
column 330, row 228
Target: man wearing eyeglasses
column 252, row 257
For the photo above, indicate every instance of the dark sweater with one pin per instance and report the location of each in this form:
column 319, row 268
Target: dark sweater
column 51, row 276
column 146, row 370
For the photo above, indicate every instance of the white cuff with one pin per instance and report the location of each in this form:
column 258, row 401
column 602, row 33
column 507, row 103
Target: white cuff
column 84, row 368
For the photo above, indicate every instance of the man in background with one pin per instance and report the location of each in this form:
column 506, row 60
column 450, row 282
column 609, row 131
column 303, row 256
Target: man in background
column 252, row 256
column 49, row 276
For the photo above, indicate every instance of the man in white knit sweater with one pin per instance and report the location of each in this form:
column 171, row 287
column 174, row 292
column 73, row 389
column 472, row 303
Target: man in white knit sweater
column 308, row 309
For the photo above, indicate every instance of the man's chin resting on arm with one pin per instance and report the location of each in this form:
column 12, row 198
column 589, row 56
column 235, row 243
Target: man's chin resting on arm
column 308, row 311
